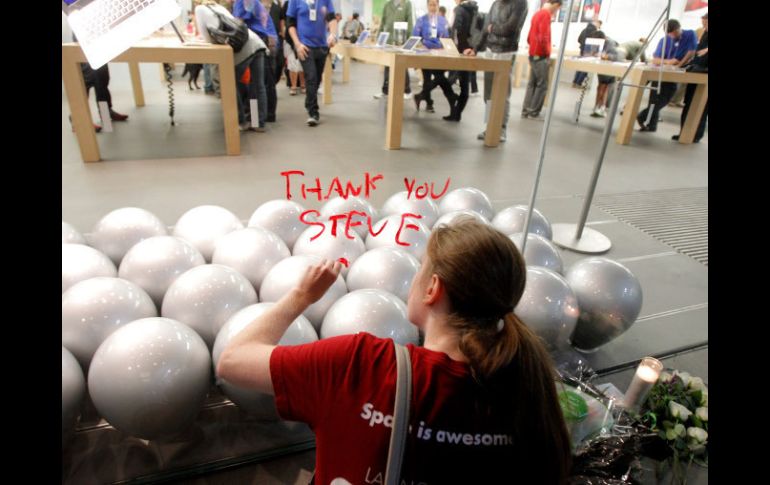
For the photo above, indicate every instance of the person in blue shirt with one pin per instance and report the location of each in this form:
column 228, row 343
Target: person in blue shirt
column 307, row 20
column 256, row 16
column 680, row 47
column 431, row 27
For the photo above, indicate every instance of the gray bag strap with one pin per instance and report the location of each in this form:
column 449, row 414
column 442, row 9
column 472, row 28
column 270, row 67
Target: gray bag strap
column 400, row 415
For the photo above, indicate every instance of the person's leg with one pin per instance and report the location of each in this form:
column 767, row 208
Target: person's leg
column 473, row 82
column 659, row 101
column 446, row 87
column 208, row 86
column 239, row 70
column 311, row 81
column 385, row 81
column 269, row 82
column 529, row 93
column 301, row 76
column 464, row 78
column 689, row 94
column 427, row 86
column 101, row 83
column 539, row 72
column 407, row 83
column 293, row 81
column 258, row 89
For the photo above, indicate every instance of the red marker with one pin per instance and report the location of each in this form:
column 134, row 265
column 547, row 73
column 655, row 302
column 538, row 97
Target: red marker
column 344, row 261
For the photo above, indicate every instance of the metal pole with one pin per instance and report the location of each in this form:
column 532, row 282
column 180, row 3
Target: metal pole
column 606, row 134
column 544, row 134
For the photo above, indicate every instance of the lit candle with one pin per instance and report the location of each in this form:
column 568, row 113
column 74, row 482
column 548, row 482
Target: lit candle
column 645, row 377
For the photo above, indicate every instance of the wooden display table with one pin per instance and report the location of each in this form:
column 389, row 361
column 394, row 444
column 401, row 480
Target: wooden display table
column 154, row 49
column 438, row 59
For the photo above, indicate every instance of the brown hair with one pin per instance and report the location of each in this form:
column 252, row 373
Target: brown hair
column 484, row 276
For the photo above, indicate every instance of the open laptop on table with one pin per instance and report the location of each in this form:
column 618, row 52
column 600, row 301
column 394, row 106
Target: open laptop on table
column 106, row 28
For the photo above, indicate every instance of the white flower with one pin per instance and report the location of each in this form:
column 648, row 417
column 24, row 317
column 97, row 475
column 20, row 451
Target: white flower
column 664, row 377
column 685, row 376
column 702, row 413
column 697, row 435
column 678, row 411
column 675, row 432
column 704, row 398
column 696, row 384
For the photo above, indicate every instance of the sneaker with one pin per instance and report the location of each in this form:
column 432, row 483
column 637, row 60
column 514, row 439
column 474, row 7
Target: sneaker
column 407, row 95
column 536, row 117
column 292, row 91
column 524, row 114
column 503, row 135
column 313, row 121
column 475, row 94
column 245, row 126
column 379, row 95
column 258, row 129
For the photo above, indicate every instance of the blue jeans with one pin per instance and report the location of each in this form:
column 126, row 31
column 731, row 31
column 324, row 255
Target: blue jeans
column 313, row 66
column 256, row 89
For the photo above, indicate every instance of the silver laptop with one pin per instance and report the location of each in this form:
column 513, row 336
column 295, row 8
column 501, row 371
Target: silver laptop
column 106, row 28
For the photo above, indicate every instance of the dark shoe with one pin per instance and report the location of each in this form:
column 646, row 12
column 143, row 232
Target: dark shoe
column 270, row 118
column 115, row 116
column 648, row 129
column 430, row 109
column 640, row 120
column 417, row 100
column 675, row 137
column 451, row 117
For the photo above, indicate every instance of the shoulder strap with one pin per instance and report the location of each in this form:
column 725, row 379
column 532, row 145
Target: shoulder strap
column 400, row 415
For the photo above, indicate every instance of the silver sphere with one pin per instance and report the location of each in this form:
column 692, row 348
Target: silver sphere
column 331, row 247
column 467, row 198
column 70, row 235
column 251, row 252
column 399, row 203
column 549, row 307
column 339, row 205
column 539, row 252
column 261, row 405
column 287, row 274
column 511, row 220
column 205, row 297
column 149, row 379
column 449, row 217
column 385, row 268
column 73, row 389
column 610, row 298
column 156, row 262
column 203, row 225
column 93, row 309
column 377, row 312
column 282, row 218
column 121, row 229
column 417, row 239
column 80, row 262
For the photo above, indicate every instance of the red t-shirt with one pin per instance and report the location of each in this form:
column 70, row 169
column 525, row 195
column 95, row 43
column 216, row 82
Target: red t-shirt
column 344, row 388
column 539, row 37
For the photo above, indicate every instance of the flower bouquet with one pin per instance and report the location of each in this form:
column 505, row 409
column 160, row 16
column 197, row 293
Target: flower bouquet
column 677, row 409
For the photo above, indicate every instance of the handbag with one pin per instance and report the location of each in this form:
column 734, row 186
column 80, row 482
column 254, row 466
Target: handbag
column 400, row 415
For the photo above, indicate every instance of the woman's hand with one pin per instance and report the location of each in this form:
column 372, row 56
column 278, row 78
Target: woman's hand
column 317, row 279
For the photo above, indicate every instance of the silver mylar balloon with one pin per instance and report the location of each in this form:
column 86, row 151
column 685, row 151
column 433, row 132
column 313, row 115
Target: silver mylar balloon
column 539, row 252
column 548, row 306
column 80, row 262
column 467, row 198
column 149, row 379
column 156, row 262
column 73, row 389
column 377, row 312
column 92, row 309
column 261, row 405
column 251, row 252
column 416, row 239
column 121, row 229
column 610, row 298
column 400, row 203
column 388, row 269
column 331, row 247
column 339, row 205
column 511, row 220
column 206, row 296
column 203, row 225
column 287, row 274
column 70, row 235
column 450, row 217
column 281, row 217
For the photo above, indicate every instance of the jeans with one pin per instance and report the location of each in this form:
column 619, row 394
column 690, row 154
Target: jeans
column 537, row 86
column 272, row 96
column 489, row 78
column 208, row 84
column 464, row 78
column 256, row 89
column 313, row 66
column 386, row 81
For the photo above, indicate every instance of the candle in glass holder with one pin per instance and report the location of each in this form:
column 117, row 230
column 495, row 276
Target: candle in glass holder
column 645, row 377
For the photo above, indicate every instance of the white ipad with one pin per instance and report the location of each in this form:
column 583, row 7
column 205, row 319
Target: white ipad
column 382, row 38
column 362, row 38
column 411, row 43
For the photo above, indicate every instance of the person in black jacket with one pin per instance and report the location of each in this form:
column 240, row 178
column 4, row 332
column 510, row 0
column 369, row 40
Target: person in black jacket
column 592, row 27
column 461, row 32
